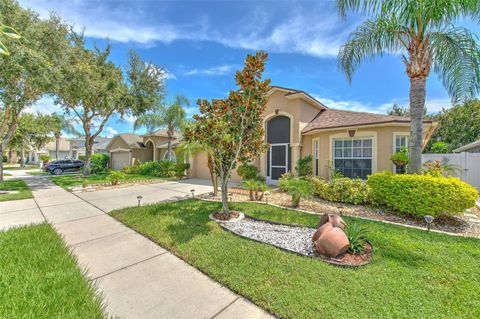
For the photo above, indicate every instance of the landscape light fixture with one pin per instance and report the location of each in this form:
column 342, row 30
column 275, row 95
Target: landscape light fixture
column 266, row 194
column 193, row 193
column 429, row 221
column 139, row 198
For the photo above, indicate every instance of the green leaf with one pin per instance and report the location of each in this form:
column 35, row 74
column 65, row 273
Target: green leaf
column 10, row 32
column 3, row 49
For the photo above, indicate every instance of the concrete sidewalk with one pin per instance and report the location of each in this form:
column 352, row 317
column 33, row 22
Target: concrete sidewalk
column 138, row 279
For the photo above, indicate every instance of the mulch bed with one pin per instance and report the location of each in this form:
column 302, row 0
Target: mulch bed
column 466, row 225
column 231, row 215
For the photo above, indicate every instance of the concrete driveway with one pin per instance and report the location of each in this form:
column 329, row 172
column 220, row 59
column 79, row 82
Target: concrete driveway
column 111, row 199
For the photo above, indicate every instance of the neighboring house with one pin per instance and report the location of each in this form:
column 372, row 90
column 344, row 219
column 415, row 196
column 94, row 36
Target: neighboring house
column 131, row 149
column 69, row 148
column 473, row 147
column 296, row 125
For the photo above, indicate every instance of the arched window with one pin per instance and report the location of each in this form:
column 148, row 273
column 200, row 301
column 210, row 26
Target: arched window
column 170, row 156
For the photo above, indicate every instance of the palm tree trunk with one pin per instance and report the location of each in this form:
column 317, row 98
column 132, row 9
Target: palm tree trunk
column 57, row 146
column 417, row 106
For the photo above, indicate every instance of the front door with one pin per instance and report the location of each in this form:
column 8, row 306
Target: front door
column 278, row 161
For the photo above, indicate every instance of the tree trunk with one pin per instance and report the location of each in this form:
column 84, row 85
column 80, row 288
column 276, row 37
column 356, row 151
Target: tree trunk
column 22, row 163
column 224, row 188
column 213, row 176
column 88, row 157
column 57, row 146
column 417, row 106
column 1, row 163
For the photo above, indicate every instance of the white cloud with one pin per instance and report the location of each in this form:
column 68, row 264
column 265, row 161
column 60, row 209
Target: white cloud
column 212, row 71
column 317, row 31
column 110, row 131
column 433, row 105
column 168, row 75
column 45, row 105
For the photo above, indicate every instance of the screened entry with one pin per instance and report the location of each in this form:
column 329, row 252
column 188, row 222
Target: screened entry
column 279, row 153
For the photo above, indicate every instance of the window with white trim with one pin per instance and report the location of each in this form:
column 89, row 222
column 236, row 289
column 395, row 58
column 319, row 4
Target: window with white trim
column 401, row 141
column 353, row 157
column 315, row 158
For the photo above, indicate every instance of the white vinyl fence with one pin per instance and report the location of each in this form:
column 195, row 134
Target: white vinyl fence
column 468, row 165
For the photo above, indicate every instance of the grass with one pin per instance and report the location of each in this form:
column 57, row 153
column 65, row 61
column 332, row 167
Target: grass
column 413, row 274
column 15, row 185
column 39, row 278
column 7, row 174
column 17, row 168
column 66, row 181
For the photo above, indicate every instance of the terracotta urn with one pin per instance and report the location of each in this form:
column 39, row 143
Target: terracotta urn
column 330, row 238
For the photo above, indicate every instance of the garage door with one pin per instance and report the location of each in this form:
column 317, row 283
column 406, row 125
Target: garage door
column 120, row 160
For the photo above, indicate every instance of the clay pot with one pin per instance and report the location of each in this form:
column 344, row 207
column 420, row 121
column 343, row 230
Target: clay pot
column 321, row 230
column 332, row 242
column 333, row 219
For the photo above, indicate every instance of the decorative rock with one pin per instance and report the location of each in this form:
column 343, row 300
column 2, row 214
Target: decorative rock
column 332, row 242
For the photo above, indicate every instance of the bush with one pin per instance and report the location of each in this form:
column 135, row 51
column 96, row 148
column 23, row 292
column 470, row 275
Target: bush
column 247, row 171
column 4, row 158
column 131, row 169
column 256, row 186
column 283, row 181
column 357, row 237
column 81, row 157
column 421, row 195
column 440, row 147
column 304, row 166
column 298, row 189
column 166, row 169
column 344, row 189
column 45, row 158
column 99, row 163
column 115, row 176
column 181, row 168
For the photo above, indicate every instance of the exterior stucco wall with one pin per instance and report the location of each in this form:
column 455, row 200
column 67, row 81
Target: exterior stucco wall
column 141, row 156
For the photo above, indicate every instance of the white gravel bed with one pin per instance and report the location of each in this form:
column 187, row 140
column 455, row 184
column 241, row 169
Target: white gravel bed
column 297, row 239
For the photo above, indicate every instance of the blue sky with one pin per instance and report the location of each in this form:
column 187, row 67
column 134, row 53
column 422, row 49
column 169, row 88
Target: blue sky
column 202, row 43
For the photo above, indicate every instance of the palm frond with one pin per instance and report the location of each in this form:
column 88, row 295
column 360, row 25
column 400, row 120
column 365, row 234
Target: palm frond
column 370, row 39
column 456, row 60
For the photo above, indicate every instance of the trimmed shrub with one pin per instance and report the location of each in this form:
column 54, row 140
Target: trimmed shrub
column 115, row 176
column 181, row 169
column 421, row 195
column 283, row 181
column 99, row 163
column 45, row 158
column 344, row 189
column 131, row 169
column 247, row 171
column 304, row 166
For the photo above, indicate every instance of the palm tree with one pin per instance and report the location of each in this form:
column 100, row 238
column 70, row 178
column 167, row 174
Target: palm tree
column 61, row 123
column 172, row 117
column 422, row 31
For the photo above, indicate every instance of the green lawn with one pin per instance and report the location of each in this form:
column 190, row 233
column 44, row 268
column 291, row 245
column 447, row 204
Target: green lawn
column 15, row 185
column 66, row 181
column 413, row 274
column 39, row 278
column 7, row 174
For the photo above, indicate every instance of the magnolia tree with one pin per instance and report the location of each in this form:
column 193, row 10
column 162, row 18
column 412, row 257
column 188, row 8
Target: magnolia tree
column 232, row 128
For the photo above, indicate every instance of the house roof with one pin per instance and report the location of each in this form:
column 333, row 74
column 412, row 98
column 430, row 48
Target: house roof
column 468, row 146
column 330, row 118
column 132, row 140
column 294, row 93
column 162, row 133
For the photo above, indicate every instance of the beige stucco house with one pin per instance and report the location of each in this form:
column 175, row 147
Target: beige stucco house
column 297, row 125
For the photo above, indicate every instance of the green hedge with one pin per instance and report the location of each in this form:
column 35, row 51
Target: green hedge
column 421, row 195
column 345, row 190
column 99, row 163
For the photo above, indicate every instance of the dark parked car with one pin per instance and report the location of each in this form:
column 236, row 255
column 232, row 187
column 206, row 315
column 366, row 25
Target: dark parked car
column 59, row 167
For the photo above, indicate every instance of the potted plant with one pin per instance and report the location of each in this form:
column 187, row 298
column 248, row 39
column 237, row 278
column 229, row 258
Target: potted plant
column 400, row 158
